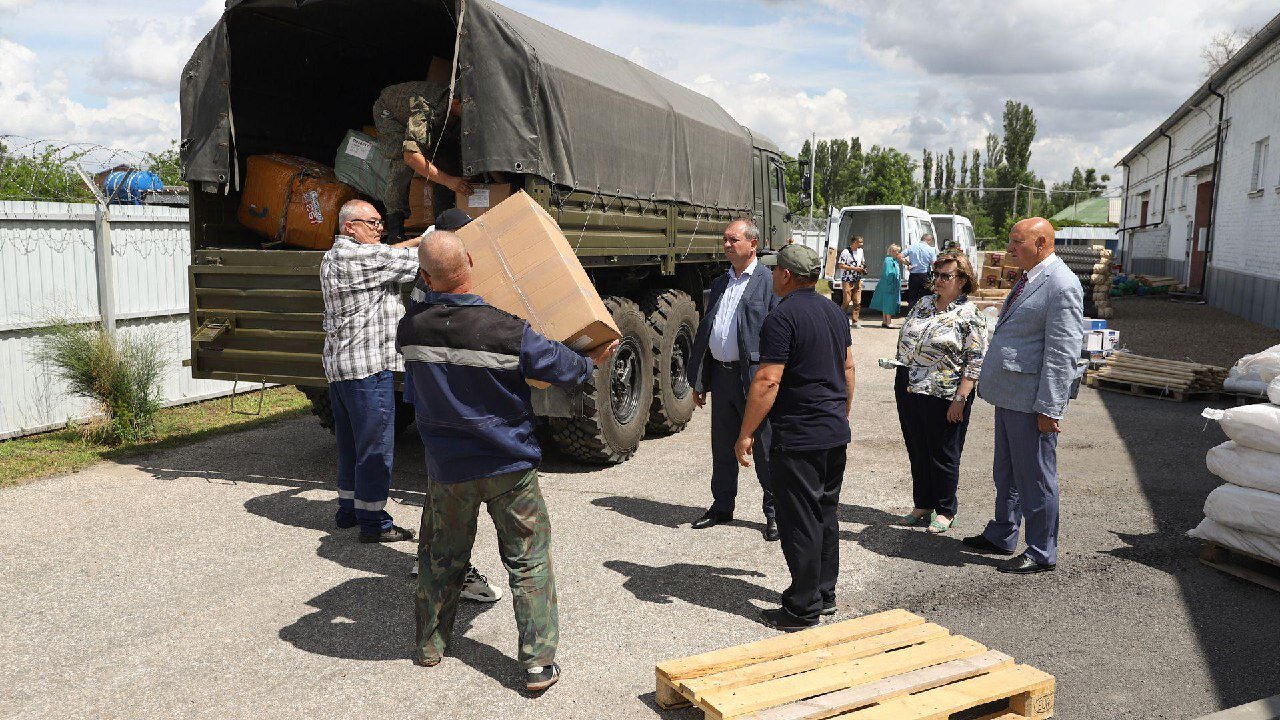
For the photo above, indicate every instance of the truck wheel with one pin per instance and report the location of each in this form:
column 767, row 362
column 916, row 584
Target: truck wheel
column 673, row 320
column 616, row 402
column 323, row 409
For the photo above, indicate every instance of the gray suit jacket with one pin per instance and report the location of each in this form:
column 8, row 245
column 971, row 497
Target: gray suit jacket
column 757, row 300
column 1030, row 365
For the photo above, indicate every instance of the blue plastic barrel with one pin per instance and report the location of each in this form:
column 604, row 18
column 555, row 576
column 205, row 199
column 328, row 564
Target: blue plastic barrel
column 125, row 187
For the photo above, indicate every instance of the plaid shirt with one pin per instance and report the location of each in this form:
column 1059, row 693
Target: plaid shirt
column 361, row 288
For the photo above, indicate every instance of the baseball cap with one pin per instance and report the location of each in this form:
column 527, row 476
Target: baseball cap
column 452, row 219
column 799, row 259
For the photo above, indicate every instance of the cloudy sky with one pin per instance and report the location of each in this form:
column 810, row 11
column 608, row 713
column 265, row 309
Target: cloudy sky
column 1100, row 74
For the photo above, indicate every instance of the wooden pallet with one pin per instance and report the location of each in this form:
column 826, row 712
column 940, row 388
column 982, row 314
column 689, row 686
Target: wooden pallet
column 1151, row 391
column 1241, row 564
column 888, row 666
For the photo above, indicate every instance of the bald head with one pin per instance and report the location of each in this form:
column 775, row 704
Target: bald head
column 1030, row 241
column 444, row 259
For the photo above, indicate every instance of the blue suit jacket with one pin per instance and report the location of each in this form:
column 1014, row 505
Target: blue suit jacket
column 757, row 300
column 1030, row 365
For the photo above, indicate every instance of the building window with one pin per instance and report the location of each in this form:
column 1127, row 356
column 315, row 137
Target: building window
column 1186, row 182
column 1260, row 148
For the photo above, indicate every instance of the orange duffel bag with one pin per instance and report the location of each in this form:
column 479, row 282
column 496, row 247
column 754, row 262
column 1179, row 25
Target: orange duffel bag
column 292, row 200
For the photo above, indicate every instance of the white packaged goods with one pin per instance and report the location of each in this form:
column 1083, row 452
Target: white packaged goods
column 1255, row 426
column 1273, row 391
column 1245, row 467
column 1264, row 365
column 1266, row 547
column 1245, row 509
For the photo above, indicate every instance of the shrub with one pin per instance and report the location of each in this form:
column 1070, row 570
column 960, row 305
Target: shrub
column 120, row 374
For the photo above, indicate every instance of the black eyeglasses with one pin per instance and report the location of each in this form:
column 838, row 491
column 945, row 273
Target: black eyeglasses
column 370, row 223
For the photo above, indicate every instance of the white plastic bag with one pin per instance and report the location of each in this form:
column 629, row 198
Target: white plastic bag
column 1254, row 426
column 1273, row 391
column 1245, row 509
column 1263, row 546
column 1265, row 365
column 1245, row 467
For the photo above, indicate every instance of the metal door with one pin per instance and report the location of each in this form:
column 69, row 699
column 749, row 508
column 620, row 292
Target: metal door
column 1199, row 233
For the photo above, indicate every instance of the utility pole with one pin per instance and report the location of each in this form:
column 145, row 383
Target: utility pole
column 813, row 153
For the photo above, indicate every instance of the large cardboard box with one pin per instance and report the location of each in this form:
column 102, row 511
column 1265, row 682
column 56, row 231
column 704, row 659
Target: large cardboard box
column 421, row 212
column 829, row 269
column 524, row 265
column 483, row 196
column 292, row 199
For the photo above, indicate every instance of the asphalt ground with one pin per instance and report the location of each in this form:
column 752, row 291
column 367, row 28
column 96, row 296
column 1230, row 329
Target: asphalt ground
column 209, row 582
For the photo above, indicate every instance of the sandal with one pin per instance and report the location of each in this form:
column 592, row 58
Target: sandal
column 937, row 527
column 913, row 520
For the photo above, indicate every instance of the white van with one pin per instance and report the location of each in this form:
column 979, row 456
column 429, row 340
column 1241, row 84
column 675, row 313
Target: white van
column 880, row 226
column 959, row 230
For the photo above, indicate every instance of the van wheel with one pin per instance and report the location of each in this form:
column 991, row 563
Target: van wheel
column 616, row 402
column 322, row 408
column 673, row 321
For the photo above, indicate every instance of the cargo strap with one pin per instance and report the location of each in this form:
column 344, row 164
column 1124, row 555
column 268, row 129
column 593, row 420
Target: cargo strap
column 294, row 180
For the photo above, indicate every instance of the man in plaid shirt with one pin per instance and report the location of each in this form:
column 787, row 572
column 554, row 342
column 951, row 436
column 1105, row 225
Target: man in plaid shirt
column 360, row 280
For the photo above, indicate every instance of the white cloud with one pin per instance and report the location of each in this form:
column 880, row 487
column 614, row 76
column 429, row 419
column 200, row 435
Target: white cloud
column 148, row 54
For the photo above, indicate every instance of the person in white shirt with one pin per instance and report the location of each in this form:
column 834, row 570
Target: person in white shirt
column 724, row 359
column 852, row 266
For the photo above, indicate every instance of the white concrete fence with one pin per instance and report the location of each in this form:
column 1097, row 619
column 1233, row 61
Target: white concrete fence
column 59, row 260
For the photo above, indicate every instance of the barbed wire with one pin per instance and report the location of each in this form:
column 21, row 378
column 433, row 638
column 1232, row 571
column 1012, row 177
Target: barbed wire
column 33, row 169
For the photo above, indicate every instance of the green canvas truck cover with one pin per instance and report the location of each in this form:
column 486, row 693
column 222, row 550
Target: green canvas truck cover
column 535, row 99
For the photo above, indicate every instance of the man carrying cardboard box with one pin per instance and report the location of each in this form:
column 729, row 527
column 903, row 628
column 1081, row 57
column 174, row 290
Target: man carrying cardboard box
column 470, row 363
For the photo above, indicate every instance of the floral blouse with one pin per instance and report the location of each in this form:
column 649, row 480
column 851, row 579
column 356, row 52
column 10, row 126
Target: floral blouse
column 939, row 347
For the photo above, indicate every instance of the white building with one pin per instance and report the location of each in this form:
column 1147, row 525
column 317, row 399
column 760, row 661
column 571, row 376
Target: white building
column 1202, row 191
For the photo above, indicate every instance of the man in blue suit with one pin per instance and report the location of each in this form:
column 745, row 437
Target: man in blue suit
column 725, row 356
column 1028, row 375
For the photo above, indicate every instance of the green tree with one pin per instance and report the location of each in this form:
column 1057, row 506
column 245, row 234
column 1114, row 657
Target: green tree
column 167, row 164
column 889, row 178
column 47, row 174
column 926, row 175
column 949, row 178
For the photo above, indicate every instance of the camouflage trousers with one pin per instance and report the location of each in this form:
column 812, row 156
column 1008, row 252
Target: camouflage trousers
column 519, row 514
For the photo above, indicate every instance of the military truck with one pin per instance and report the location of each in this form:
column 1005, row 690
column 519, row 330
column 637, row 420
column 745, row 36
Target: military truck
column 641, row 173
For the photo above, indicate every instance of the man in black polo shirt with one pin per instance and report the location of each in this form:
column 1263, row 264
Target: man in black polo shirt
column 805, row 387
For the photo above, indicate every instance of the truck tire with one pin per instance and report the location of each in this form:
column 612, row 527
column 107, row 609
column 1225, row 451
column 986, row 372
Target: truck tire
column 616, row 402
column 322, row 408
column 673, row 321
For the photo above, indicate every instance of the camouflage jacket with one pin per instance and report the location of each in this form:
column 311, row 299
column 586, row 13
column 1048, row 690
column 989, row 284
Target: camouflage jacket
column 412, row 115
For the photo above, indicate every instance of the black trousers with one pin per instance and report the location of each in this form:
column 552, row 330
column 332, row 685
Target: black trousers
column 728, row 403
column 934, row 445
column 806, row 492
column 917, row 287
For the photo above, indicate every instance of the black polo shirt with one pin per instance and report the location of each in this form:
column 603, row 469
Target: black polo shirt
column 809, row 334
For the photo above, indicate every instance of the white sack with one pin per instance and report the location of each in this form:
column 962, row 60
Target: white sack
column 1263, row 546
column 1265, row 365
column 1250, row 385
column 1245, row 509
column 1245, row 467
column 1255, row 426
column 1273, row 391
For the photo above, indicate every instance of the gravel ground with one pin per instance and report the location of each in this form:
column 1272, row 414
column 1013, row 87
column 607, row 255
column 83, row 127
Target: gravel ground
column 1157, row 327
column 208, row 582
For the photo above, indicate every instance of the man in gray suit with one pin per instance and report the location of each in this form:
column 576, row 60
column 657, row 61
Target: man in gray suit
column 1028, row 375
column 724, row 359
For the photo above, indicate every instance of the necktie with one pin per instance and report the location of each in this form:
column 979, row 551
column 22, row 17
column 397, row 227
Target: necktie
column 1017, row 290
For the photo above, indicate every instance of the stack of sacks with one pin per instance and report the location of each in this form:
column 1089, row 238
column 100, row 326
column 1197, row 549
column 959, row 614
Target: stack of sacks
column 1244, row 514
column 1251, row 373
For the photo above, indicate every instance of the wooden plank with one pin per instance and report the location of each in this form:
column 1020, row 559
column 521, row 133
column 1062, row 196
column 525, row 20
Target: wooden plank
column 824, row 706
column 727, row 704
column 1220, row 558
column 667, row 696
column 802, row 662
column 789, row 644
column 1023, row 685
column 1003, row 715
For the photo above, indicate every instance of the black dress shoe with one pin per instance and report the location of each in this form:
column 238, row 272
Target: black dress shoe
column 780, row 619
column 770, row 529
column 982, row 544
column 1023, row 565
column 395, row 534
column 710, row 518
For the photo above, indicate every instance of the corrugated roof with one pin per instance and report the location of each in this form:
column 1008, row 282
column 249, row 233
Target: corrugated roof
column 1093, row 210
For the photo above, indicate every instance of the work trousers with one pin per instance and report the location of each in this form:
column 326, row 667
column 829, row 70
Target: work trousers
column 728, row 403
column 519, row 514
column 364, row 421
column 934, row 445
column 807, row 493
column 917, row 287
column 853, row 296
column 1026, row 478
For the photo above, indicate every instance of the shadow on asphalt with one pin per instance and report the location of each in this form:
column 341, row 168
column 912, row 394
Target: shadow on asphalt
column 716, row 588
column 1168, row 448
column 880, row 535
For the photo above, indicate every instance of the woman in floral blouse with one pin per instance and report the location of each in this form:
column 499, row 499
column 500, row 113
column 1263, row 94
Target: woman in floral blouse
column 940, row 349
